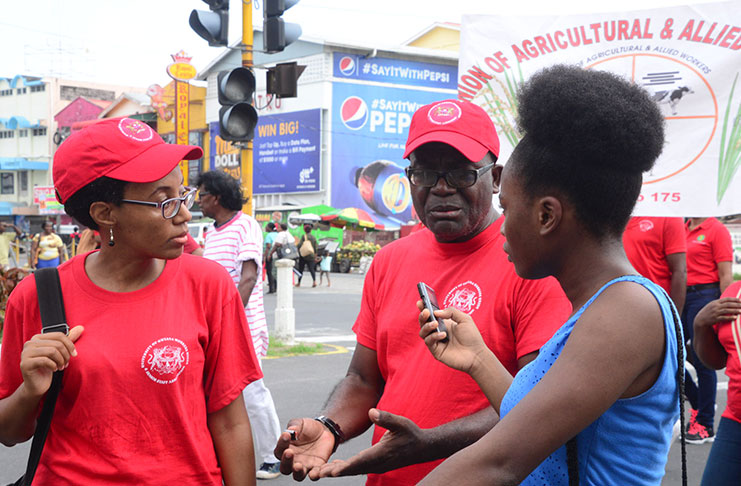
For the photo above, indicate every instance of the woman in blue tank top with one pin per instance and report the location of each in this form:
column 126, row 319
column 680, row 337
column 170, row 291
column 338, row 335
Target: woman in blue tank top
column 596, row 407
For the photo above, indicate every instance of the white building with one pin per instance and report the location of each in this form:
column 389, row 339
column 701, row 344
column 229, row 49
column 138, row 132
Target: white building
column 27, row 132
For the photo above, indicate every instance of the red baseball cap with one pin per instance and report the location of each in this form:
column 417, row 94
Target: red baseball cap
column 120, row 148
column 460, row 124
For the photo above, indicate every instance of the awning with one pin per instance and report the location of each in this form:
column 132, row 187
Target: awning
column 145, row 117
column 356, row 216
column 19, row 163
column 6, row 208
column 19, row 122
column 27, row 81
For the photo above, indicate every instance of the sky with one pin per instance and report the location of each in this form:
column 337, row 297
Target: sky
column 130, row 42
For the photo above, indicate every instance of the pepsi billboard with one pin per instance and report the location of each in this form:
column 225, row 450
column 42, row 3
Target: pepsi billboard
column 286, row 153
column 370, row 125
column 394, row 71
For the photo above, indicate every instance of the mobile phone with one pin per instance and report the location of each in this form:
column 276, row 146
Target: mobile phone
column 429, row 299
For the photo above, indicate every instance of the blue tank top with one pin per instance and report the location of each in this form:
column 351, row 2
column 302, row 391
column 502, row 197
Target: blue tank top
column 629, row 443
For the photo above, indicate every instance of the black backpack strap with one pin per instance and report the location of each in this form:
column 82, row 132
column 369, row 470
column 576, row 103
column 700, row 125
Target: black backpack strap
column 572, row 462
column 51, row 303
column 51, row 307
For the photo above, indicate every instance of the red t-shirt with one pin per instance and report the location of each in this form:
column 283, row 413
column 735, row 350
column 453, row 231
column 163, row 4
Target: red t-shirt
column 515, row 317
column 707, row 245
column 729, row 335
column 191, row 245
column 151, row 365
column 647, row 243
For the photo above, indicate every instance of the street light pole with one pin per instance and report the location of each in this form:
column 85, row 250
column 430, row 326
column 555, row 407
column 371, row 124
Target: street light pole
column 247, row 62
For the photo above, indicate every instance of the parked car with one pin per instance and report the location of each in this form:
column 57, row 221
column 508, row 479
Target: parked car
column 198, row 230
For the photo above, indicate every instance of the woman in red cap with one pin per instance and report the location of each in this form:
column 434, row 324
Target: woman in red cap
column 157, row 355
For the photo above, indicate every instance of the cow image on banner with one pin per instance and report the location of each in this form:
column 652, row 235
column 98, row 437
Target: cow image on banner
column 686, row 57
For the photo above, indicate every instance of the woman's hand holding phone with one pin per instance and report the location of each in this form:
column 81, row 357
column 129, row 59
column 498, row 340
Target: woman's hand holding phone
column 464, row 348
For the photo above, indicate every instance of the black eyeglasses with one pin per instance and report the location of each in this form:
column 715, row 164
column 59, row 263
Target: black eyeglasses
column 170, row 207
column 458, row 178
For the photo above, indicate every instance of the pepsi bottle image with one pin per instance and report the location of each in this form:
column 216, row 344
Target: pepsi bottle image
column 384, row 187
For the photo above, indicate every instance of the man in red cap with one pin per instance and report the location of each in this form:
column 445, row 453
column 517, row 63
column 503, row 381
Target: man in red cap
column 422, row 411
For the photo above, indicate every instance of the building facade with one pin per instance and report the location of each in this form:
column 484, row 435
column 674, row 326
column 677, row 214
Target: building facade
column 340, row 141
column 29, row 133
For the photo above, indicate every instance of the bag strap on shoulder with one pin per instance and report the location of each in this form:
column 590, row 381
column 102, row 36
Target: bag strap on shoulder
column 53, row 319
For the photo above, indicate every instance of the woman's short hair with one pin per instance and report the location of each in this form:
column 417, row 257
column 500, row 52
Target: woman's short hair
column 589, row 135
column 103, row 189
column 221, row 184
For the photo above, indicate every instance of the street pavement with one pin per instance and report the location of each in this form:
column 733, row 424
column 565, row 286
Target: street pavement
column 301, row 384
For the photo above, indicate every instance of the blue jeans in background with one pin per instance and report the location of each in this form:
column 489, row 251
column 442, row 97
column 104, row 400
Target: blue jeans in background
column 724, row 463
column 702, row 394
column 54, row 262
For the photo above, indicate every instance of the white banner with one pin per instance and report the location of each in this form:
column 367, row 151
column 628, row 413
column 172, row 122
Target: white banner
column 688, row 58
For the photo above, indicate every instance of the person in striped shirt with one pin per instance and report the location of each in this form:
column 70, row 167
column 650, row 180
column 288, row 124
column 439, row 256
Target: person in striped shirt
column 235, row 241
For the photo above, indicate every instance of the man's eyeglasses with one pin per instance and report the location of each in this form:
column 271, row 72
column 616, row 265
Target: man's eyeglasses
column 170, row 207
column 458, row 178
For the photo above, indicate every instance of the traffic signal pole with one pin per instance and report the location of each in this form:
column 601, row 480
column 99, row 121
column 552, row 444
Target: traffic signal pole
column 247, row 62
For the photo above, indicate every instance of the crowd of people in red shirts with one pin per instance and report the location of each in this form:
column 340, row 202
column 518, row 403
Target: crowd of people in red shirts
column 692, row 261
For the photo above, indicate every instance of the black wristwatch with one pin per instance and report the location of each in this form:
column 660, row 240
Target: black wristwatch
column 339, row 437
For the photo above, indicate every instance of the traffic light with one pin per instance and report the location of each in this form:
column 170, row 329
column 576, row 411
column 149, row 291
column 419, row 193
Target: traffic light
column 214, row 25
column 237, row 116
column 282, row 80
column 277, row 34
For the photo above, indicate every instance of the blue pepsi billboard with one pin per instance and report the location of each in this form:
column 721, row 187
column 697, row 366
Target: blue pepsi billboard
column 394, row 71
column 370, row 125
column 286, row 153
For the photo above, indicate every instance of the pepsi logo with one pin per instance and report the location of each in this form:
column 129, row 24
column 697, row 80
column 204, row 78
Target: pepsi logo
column 354, row 113
column 444, row 112
column 347, row 66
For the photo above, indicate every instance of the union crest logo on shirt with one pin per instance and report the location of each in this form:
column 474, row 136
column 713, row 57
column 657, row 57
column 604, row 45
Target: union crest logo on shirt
column 165, row 359
column 646, row 225
column 466, row 297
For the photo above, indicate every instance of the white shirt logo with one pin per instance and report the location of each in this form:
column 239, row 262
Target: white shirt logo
column 645, row 225
column 165, row 359
column 135, row 129
column 466, row 297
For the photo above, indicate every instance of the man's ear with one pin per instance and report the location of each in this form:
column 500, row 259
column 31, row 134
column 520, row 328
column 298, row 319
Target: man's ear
column 550, row 214
column 496, row 178
column 102, row 213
